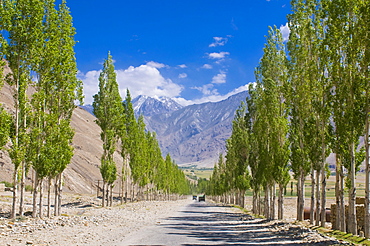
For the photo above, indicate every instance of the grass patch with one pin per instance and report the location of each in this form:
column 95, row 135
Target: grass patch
column 344, row 236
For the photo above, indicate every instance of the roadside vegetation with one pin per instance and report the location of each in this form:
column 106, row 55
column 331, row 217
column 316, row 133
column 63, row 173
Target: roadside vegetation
column 311, row 98
column 37, row 50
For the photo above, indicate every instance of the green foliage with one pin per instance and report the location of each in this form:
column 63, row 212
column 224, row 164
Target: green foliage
column 108, row 110
column 202, row 186
column 5, row 126
column 7, row 184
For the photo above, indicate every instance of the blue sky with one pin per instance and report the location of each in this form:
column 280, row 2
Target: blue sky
column 193, row 51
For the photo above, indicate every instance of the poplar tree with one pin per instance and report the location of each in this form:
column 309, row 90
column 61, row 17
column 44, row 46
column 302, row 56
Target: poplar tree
column 238, row 149
column 57, row 89
column 255, row 165
column 23, row 25
column 346, row 53
column 108, row 110
column 299, row 97
column 272, row 123
column 365, row 71
column 127, row 138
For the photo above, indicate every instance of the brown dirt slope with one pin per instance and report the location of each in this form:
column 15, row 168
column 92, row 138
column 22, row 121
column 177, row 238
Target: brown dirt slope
column 82, row 174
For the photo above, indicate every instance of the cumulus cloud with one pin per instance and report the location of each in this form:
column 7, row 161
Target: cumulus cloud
column 216, row 55
column 183, row 66
column 218, row 41
column 207, row 66
column 219, row 78
column 182, row 75
column 142, row 80
column 285, row 31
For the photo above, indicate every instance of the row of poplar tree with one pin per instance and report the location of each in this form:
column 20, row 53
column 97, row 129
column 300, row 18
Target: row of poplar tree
column 143, row 165
column 311, row 98
column 37, row 44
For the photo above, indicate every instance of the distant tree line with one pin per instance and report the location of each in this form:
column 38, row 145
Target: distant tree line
column 144, row 165
column 311, row 98
column 37, row 44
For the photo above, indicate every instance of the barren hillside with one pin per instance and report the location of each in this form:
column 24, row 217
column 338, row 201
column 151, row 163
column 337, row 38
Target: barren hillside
column 82, row 174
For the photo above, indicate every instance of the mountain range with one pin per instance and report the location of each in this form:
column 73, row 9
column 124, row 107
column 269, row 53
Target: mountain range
column 193, row 135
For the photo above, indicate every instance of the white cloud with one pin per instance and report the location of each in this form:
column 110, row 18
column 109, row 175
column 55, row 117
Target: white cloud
column 285, row 31
column 207, row 66
column 206, row 89
column 216, row 55
column 215, row 97
column 156, row 64
column 183, row 66
column 218, row 41
column 219, row 78
column 183, row 75
column 142, row 80
column 90, row 84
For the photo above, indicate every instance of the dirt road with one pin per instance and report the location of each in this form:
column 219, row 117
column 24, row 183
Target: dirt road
column 204, row 223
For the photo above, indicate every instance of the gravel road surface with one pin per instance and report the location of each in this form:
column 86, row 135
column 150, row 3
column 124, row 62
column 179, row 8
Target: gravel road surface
column 181, row 222
column 204, row 223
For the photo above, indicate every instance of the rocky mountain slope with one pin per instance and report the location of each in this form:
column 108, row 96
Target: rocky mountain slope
column 193, row 135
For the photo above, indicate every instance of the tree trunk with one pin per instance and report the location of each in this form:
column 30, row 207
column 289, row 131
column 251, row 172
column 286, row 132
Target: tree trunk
column 40, row 200
column 337, row 225
column 243, row 198
column 273, row 201
column 323, row 196
column 323, row 176
column 342, row 207
column 59, row 188
column 313, row 186
column 267, row 201
column 103, row 195
column 259, row 203
column 56, row 196
column 15, row 194
column 49, row 197
column 22, row 190
column 367, row 170
column 281, row 202
column 300, row 199
column 318, row 201
column 107, row 194
column 111, row 195
column 34, row 197
column 352, row 222
column 255, row 201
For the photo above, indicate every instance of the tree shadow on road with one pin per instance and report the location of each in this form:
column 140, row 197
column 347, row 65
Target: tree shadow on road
column 216, row 227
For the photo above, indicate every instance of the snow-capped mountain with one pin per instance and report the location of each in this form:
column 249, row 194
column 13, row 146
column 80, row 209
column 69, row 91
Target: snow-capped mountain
column 194, row 134
column 149, row 106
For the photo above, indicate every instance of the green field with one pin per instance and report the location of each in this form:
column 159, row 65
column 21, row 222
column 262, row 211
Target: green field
column 197, row 173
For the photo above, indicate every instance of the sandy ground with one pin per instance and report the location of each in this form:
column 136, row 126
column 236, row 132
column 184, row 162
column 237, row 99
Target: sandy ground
column 84, row 222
